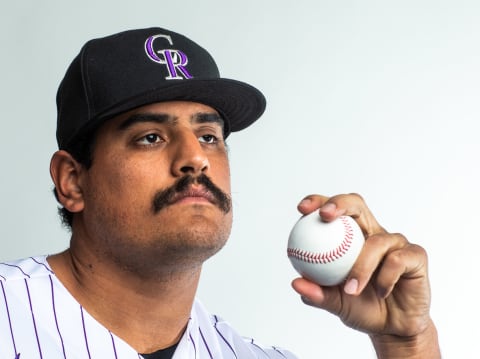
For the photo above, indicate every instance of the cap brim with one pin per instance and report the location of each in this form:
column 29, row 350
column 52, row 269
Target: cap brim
column 239, row 103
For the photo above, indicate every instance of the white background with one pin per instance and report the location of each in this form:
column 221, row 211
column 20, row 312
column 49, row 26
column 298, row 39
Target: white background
column 375, row 97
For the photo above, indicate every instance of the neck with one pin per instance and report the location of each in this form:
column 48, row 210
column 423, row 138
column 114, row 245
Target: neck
column 149, row 313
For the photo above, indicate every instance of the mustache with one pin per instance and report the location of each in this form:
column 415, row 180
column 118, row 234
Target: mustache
column 165, row 197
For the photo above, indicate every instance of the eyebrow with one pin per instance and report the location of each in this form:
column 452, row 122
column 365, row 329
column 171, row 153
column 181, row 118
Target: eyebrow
column 146, row 117
column 202, row 117
column 162, row 118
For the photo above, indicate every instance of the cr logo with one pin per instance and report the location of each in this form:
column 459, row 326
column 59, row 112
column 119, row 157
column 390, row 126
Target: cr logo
column 175, row 60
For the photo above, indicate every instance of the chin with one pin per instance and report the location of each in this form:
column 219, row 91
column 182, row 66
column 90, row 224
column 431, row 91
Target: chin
column 196, row 243
column 171, row 250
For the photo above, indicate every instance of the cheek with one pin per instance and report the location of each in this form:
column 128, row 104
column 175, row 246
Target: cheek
column 124, row 184
column 222, row 175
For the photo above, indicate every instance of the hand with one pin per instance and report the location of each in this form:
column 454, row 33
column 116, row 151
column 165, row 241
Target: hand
column 387, row 293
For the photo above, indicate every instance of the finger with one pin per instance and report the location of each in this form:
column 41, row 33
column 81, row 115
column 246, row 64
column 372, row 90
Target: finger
column 312, row 294
column 310, row 203
column 408, row 263
column 328, row 210
column 375, row 249
column 354, row 206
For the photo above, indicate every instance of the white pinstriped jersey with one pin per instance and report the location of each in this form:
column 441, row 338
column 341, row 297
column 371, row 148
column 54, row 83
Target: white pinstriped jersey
column 39, row 319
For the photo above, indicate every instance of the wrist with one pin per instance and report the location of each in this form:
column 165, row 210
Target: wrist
column 422, row 346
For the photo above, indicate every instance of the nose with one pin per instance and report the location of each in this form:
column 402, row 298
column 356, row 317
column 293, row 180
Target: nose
column 189, row 156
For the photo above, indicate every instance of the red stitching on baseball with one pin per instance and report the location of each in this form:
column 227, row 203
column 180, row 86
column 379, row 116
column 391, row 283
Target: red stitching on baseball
column 326, row 257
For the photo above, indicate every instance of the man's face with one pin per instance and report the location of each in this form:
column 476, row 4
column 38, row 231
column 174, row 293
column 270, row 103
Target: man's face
column 158, row 190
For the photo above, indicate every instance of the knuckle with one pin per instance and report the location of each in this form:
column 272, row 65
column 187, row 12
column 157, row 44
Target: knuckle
column 389, row 240
column 414, row 324
column 349, row 197
column 395, row 259
column 399, row 238
column 356, row 196
column 315, row 197
column 420, row 252
column 380, row 240
column 419, row 249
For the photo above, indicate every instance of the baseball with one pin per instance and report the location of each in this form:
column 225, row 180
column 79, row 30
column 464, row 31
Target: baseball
column 324, row 252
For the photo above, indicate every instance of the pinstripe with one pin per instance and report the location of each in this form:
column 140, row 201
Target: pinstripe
column 279, row 352
column 193, row 343
column 205, row 342
column 33, row 318
column 60, row 330
column 258, row 346
column 85, row 333
column 55, row 316
column 42, row 264
column 113, row 343
column 9, row 319
column 223, row 338
column 15, row 266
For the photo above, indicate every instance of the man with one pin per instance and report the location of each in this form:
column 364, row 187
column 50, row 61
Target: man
column 142, row 175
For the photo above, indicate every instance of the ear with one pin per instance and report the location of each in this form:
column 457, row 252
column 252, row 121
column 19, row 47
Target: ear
column 65, row 172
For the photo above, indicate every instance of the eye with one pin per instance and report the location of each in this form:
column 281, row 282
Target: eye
column 149, row 139
column 210, row 139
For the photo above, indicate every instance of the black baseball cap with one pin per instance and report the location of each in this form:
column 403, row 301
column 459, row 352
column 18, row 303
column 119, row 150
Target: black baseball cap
column 118, row 73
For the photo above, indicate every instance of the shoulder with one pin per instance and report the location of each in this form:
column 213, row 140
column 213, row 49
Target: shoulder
column 24, row 268
column 216, row 329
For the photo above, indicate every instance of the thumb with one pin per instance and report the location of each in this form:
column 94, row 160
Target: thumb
column 327, row 298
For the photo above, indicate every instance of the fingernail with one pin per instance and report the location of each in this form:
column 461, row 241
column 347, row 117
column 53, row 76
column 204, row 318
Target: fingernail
column 351, row 286
column 329, row 207
column 382, row 293
column 305, row 201
column 306, row 301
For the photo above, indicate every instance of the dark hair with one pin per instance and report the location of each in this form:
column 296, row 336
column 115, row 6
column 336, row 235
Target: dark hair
column 81, row 149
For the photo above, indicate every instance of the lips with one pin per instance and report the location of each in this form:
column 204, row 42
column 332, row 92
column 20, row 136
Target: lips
column 193, row 192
